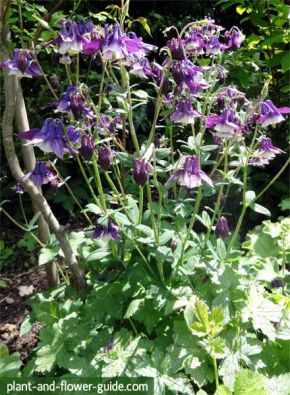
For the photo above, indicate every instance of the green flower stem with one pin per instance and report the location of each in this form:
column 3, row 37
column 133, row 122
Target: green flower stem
column 172, row 157
column 96, row 200
column 273, row 179
column 21, row 23
column 22, row 209
column 157, row 109
column 68, row 73
column 78, row 69
column 216, row 375
column 64, row 276
column 126, row 85
column 104, row 66
column 153, row 224
column 118, row 177
column 99, row 183
column 72, row 194
column 133, row 326
column 141, row 198
column 45, row 78
column 21, row 226
column 191, row 224
column 243, row 212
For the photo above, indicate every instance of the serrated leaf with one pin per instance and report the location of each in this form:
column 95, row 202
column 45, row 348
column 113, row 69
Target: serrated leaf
column 249, row 383
column 201, row 311
column 10, row 365
column 223, row 390
column 133, row 307
column 47, row 254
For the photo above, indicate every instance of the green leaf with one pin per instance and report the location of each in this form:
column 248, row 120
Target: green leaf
column 10, row 365
column 4, row 350
column 223, row 390
column 144, row 23
column 25, row 326
column 47, row 254
column 133, row 307
column 249, row 383
column 260, row 209
column 221, row 249
column 93, row 208
column 279, row 385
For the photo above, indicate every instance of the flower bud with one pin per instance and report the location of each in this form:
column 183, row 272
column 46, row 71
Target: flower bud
column 87, row 147
column 141, row 171
column 54, row 81
column 277, row 283
column 173, row 245
column 105, row 156
column 176, row 49
column 222, row 229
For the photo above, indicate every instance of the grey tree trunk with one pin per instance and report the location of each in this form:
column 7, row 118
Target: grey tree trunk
column 29, row 162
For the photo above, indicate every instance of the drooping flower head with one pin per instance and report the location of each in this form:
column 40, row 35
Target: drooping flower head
column 70, row 38
column 109, row 346
column 190, row 175
column 110, row 232
column 188, row 77
column 225, row 124
column 270, row 115
column 41, row 174
column 49, row 138
column 222, row 228
column 234, row 38
column 184, row 112
column 87, row 147
column 176, row 46
column 105, row 155
column 22, row 64
column 74, row 101
column 266, row 152
column 142, row 169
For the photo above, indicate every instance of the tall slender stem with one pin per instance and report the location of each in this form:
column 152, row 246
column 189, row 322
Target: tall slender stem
column 96, row 200
column 216, row 375
column 191, row 224
column 99, row 182
column 141, row 195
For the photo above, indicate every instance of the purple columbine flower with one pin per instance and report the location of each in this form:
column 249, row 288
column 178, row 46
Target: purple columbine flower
column 190, row 175
column 225, row 124
column 176, row 46
column 188, row 77
column 277, row 283
column 184, row 112
column 49, row 138
column 105, row 155
column 22, row 64
column 222, row 228
column 41, row 174
column 107, row 127
column 73, row 134
column 110, row 232
column 69, row 39
column 87, row 147
column 270, row 115
column 265, row 152
column 114, row 44
column 234, row 38
column 17, row 188
column 54, row 80
column 73, row 101
column 119, row 46
column 214, row 46
column 142, row 68
column 142, row 169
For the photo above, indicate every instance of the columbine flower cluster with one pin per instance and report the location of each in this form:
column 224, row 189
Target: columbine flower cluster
column 183, row 86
